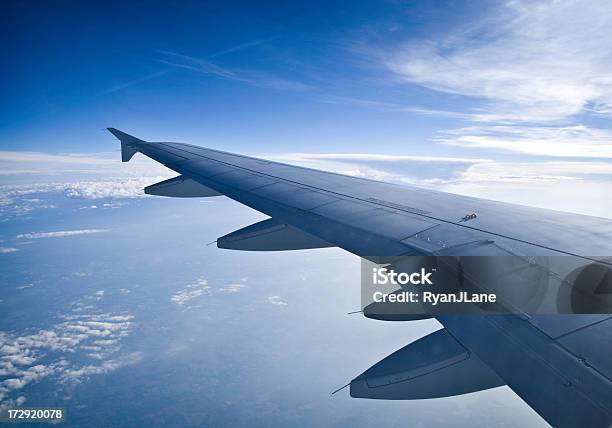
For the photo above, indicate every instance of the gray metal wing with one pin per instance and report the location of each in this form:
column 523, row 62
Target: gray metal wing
column 559, row 365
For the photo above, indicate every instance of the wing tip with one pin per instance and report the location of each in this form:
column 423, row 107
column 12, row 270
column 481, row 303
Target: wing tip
column 123, row 137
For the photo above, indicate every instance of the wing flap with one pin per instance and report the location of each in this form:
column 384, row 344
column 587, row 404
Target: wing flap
column 270, row 235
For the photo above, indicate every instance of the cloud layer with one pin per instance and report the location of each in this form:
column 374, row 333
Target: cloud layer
column 433, row 171
column 59, row 233
column 78, row 347
column 68, row 166
column 192, row 291
column 533, row 60
column 535, row 67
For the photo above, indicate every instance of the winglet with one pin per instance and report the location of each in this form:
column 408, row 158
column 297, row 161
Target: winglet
column 129, row 144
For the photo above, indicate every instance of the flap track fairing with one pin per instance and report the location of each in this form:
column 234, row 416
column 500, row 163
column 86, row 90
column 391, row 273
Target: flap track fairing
column 270, row 235
column 180, row 187
column 434, row 366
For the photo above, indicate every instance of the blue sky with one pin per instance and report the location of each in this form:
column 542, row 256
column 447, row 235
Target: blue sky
column 234, row 74
column 484, row 92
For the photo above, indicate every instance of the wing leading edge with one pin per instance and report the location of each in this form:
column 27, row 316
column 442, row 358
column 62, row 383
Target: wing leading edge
column 556, row 365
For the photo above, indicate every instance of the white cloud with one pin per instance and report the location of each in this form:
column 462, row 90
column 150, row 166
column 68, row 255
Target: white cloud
column 191, row 292
column 369, row 157
column 54, row 159
column 276, row 300
column 393, row 168
column 120, row 188
column 59, row 233
column 92, row 164
column 82, row 373
column 535, row 60
column 250, row 77
column 523, row 64
column 57, row 352
column 561, row 141
column 124, row 187
column 526, row 172
column 7, row 250
column 575, row 186
column 433, row 171
column 233, row 288
column 86, row 176
column 15, row 199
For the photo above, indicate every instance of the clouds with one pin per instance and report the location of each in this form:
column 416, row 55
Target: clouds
column 277, row 301
column 78, row 347
column 392, row 168
column 81, row 373
column 233, row 288
column 430, row 170
column 533, row 61
column 260, row 79
column 567, row 185
column 67, row 166
column 38, row 158
column 199, row 288
column 86, row 189
column 560, row 141
column 371, row 157
column 29, row 177
column 524, row 65
column 118, row 188
column 16, row 200
column 59, row 233
column 452, row 173
column 84, row 176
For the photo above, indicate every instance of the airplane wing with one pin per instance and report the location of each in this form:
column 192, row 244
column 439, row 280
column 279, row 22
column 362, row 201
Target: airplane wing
column 559, row 364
